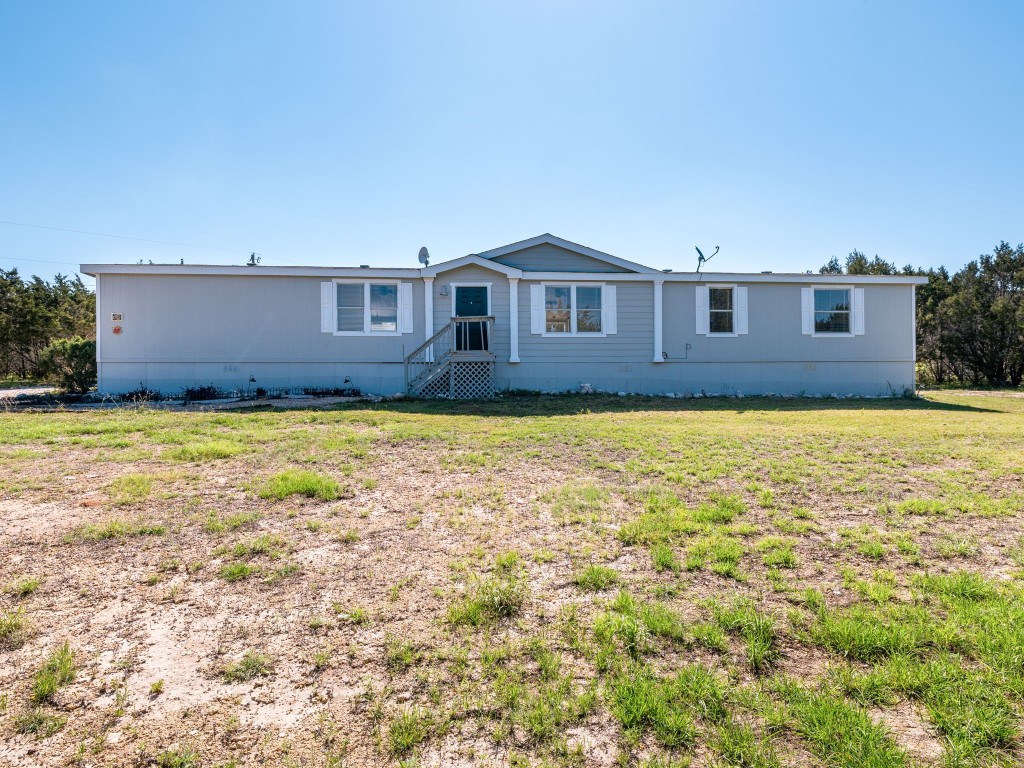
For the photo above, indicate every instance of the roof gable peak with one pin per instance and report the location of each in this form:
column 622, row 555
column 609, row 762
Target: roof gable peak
column 548, row 239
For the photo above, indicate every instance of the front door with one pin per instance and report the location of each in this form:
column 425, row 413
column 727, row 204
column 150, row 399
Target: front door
column 471, row 301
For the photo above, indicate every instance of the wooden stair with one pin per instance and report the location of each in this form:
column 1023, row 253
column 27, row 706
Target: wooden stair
column 456, row 363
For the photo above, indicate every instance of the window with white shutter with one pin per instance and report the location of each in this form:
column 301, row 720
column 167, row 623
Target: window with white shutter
column 366, row 308
column 573, row 309
column 721, row 310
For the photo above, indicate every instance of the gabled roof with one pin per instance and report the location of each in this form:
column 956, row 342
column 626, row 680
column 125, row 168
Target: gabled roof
column 473, row 259
column 549, row 239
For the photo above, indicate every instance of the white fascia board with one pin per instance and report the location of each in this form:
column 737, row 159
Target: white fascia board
column 236, row 271
column 549, row 239
column 471, row 260
column 723, row 277
column 626, row 277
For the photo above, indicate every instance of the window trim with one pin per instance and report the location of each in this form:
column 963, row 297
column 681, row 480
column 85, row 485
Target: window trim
column 366, row 282
column 815, row 334
column 572, row 312
column 720, row 335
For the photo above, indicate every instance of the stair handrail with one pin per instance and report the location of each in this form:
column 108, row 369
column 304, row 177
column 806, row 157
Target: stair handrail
column 430, row 357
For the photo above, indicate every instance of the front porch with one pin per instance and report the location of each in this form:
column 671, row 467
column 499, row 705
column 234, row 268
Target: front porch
column 456, row 363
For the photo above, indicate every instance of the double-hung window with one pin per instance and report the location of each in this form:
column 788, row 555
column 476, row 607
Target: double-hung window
column 721, row 310
column 367, row 307
column 832, row 310
column 720, row 318
column 573, row 309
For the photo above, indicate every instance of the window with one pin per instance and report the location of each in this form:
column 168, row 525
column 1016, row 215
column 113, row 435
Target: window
column 721, row 310
column 588, row 309
column 367, row 307
column 832, row 310
column 383, row 308
column 573, row 309
column 351, row 307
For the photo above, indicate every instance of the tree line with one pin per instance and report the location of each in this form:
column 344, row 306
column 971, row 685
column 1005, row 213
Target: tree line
column 34, row 314
column 970, row 326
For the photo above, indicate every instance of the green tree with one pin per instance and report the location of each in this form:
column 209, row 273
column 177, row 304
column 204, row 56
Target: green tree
column 33, row 313
column 71, row 363
column 983, row 317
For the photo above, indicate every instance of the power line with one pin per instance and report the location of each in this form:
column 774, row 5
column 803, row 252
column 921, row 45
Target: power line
column 41, row 261
column 123, row 237
column 245, row 251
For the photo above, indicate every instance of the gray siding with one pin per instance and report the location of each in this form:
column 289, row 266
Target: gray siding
column 499, row 302
column 183, row 330
column 199, row 329
column 634, row 341
column 775, row 328
column 551, row 258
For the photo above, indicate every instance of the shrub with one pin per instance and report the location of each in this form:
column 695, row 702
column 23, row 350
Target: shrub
column 208, row 392
column 71, row 363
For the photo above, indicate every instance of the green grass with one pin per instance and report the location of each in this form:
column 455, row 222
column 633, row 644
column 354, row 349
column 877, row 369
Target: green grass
column 596, row 578
column 839, row 733
column 296, row 482
column 14, row 628
column 498, row 596
column 754, row 626
column 178, row 758
column 222, row 523
column 130, row 489
column 56, row 672
column 251, row 666
column 237, row 571
column 409, row 728
column 639, row 569
column 117, row 529
column 38, row 722
column 23, row 587
column 197, row 453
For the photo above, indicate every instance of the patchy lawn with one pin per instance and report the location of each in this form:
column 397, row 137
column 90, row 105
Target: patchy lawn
column 576, row 581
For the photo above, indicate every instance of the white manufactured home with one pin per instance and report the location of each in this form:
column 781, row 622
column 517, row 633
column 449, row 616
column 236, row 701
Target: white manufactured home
column 542, row 314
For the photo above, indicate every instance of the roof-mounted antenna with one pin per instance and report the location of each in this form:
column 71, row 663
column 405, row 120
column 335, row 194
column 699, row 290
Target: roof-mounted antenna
column 701, row 258
column 424, row 256
column 254, row 259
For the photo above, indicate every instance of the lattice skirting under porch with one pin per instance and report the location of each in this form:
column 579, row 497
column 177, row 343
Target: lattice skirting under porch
column 465, row 381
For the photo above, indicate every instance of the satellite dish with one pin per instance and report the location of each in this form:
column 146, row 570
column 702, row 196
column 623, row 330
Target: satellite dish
column 424, row 256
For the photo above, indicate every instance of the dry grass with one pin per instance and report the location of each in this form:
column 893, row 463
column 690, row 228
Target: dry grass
column 553, row 581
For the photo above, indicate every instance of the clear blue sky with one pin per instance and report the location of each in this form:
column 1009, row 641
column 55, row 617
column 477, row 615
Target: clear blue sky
column 353, row 133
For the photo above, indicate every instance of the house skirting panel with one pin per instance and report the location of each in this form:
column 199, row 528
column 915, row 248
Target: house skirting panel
column 780, row 378
column 172, row 377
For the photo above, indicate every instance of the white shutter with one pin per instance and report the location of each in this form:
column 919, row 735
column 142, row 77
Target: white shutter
column 807, row 310
column 609, row 309
column 328, row 308
column 741, row 310
column 405, row 318
column 536, row 309
column 702, row 310
column 858, row 311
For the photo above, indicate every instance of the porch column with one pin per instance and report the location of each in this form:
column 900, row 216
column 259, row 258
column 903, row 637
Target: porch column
column 428, row 307
column 428, row 312
column 658, row 284
column 513, row 319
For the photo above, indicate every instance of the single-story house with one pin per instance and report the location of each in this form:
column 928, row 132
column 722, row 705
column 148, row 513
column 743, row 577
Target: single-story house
column 542, row 314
